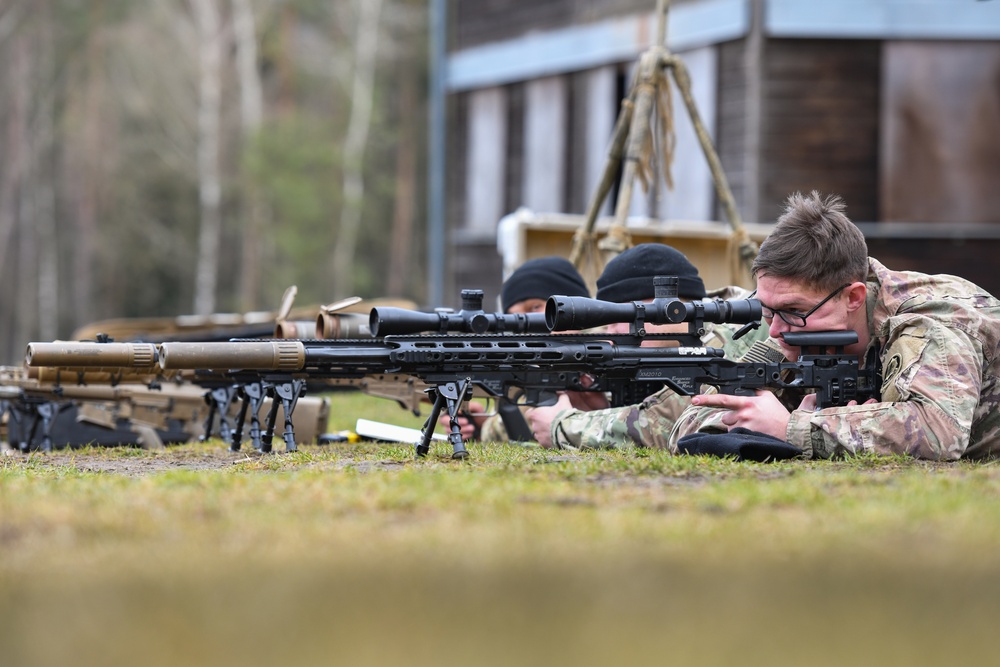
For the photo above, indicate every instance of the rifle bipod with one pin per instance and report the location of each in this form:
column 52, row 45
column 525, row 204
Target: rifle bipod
column 219, row 399
column 36, row 413
column 252, row 396
column 289, row 392
column 450, row 395
column 283, row 393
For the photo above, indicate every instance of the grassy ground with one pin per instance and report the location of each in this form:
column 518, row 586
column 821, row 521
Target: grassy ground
column 361, row 555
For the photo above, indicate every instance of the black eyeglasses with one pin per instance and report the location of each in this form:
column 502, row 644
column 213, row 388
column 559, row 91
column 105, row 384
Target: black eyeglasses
column 791, row 317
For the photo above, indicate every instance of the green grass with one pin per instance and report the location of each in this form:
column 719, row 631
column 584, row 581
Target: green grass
column 363, row 555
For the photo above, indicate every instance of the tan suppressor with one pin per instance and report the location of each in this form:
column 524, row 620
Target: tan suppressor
column 92, row 355
column 279, row 355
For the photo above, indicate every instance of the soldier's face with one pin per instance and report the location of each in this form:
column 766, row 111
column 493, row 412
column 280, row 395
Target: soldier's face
column 786, row 299
column 527, row 306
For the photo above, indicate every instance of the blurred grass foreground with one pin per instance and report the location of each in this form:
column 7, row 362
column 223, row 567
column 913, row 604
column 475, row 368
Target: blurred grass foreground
column 360, row 554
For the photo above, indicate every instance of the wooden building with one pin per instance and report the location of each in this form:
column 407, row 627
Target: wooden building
column 893, row 104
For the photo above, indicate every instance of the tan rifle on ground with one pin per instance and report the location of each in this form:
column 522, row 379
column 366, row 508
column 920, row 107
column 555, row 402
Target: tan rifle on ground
column 47, row 407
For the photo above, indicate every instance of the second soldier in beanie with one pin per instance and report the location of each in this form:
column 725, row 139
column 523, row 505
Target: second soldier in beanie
column 629, row 276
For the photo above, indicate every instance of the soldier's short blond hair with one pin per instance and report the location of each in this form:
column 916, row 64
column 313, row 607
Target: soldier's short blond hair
column 814, row 242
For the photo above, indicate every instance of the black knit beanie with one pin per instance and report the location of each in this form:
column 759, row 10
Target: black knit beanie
column 541, row 278
column 629, row 276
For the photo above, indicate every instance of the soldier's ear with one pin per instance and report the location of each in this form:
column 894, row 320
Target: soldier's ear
column 857, row 294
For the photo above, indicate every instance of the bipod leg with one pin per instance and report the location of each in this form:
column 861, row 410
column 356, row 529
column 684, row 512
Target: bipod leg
column 223, row 396
column 47, row 411
column 455, row 393
column 206, row 429
column 19, row 415
column 219, row 400
column 289, row 393
column 424, row 446
column 255, row 393
column 237, row 441
column 272, row 416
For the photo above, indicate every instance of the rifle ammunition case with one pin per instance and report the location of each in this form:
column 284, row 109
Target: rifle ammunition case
column 92, row 355
column 294, row 329
column 332, row 326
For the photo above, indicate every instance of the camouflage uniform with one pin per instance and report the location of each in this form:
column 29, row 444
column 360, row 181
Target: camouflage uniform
column 647, row 424
column 938, row 340
column 494, row 430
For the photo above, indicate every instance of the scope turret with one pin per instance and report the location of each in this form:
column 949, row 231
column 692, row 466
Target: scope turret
column 92, row 355
column 471, row 319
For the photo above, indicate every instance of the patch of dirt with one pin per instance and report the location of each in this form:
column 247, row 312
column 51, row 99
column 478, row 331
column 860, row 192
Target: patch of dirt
column 138, row 463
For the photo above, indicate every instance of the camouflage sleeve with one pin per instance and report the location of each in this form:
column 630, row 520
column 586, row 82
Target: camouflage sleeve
column 697, row 420
column 709, row 420
column 930, row 391
column 644, row 425
column 493, row 430
column 650, row 423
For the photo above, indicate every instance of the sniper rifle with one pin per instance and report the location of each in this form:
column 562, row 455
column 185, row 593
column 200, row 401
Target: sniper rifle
column 538, row 366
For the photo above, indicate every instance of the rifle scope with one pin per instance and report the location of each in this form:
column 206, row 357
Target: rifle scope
column 471, row 319
column 576, row 312
column 92, row 355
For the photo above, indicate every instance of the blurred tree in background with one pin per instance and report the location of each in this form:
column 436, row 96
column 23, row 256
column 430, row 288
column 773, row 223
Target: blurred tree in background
column 168, row 157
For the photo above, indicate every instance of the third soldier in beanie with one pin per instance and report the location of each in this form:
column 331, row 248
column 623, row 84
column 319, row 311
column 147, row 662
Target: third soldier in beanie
column 629, row 277
column 531, row 284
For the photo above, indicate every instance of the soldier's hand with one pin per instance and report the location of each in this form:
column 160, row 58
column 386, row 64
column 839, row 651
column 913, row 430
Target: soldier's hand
column 763, row 413
column 588, row 400
column 469, row 420
column 540, row 419
column 809, row 403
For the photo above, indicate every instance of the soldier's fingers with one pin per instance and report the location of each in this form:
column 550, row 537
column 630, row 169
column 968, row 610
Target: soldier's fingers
column 719, row 401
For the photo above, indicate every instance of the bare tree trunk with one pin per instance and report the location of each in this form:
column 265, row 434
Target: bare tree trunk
column 286, row 57
column 401, row 236
column 43, row 183
column 353, row 191
column 12, row 169
column 16, row 201
column 86, row 181
column 209, row 127
column 251, row 113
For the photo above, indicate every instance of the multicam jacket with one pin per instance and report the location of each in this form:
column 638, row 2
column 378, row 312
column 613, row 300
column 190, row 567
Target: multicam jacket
column 938, row 339
column 647, row 424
